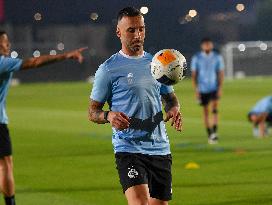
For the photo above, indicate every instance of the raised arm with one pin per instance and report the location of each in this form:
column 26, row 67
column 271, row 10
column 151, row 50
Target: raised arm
column 32, row 63
column 172, row 109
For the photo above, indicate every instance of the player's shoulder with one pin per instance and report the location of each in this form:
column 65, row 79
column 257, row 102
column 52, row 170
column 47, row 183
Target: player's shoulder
column 217, row 54
column 117, row 60
column 108, row 64
column 197, row 55
column 110, row 61
column 9, row 59
column 148, row 56
column 2, row 58
column 10, row 64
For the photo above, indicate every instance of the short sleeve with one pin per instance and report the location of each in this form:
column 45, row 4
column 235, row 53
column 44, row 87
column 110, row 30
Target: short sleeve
column 194, row 63
column 10, row 64
column 102, row 85
column 263, row 109
column 166, row 89
column 221, row 64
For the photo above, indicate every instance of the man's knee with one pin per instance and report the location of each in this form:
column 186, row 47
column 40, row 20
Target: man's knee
column 138, row 201
column 206, row 110
column 138, row 195
column 215, row 111
column 6, row 164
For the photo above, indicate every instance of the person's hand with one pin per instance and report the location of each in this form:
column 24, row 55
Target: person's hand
column 118, row 120
column 219, row 93
column 176, row 117
column 76, row 54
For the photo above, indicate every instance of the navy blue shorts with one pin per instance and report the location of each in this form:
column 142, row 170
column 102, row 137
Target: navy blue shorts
column 206, row 98
column 153, row 170
column 5, row 142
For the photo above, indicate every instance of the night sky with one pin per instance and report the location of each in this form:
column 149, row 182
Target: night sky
column 162, row 20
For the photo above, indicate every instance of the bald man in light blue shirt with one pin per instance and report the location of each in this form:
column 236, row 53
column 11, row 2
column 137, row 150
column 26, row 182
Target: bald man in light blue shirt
column 136, row 100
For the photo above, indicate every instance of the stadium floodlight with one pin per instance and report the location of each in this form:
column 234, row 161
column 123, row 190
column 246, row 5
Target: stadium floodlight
column 192, row 13
column 60, row 46
column 240, row 7
column 94, row 16
column 13, row 54
column 263, row 46
column 144, row 10
column 53, row 52
column 242, row 47
column 37, row 16
column 36, row 53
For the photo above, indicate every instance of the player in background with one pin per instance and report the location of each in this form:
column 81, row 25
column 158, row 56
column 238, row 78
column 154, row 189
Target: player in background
column 261, row 116
column 207, row 76
column 7, row 67
column 140, row 141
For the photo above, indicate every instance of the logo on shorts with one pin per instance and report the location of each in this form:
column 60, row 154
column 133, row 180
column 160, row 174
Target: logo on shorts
column 130, row 78
column 132, row 173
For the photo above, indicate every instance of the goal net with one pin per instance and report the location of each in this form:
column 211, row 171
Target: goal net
column 251, row 58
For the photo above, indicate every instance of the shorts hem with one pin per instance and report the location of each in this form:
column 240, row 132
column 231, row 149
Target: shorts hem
column 162, row 198
column 136, row 184
column 5, row 155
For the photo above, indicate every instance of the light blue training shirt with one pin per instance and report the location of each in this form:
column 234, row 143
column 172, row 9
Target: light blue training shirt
column 207, row 67
column 126, row 84
column 262, row 106
column 7, row 67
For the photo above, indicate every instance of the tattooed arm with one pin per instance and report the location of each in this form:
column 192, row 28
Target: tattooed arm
column 96, row 113
column 117, row 119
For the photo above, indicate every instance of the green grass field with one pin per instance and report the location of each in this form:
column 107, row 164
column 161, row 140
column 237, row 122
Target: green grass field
column 62, row 159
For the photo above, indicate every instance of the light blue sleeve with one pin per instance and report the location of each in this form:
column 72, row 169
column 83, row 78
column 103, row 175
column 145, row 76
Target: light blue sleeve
column 221, row 64
column 194, row 63
column 166, row 89
column 102, row 85
column 262, row 106
column 10, row 64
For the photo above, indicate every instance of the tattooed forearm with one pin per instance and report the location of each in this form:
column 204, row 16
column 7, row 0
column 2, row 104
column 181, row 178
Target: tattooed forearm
column 170, row 100
column 96, row 114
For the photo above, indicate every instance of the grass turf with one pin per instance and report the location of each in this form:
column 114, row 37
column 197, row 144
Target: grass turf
column 62, row 159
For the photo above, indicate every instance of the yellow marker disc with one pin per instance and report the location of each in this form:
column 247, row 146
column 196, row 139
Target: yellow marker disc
column 192, row 165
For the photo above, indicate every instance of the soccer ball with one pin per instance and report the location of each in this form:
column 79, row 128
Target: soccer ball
column 168, row 66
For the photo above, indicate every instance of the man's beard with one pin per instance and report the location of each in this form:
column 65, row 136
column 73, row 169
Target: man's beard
column 136, row 46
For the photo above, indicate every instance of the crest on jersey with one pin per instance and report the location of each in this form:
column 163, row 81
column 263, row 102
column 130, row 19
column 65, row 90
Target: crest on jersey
column 130, row 78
